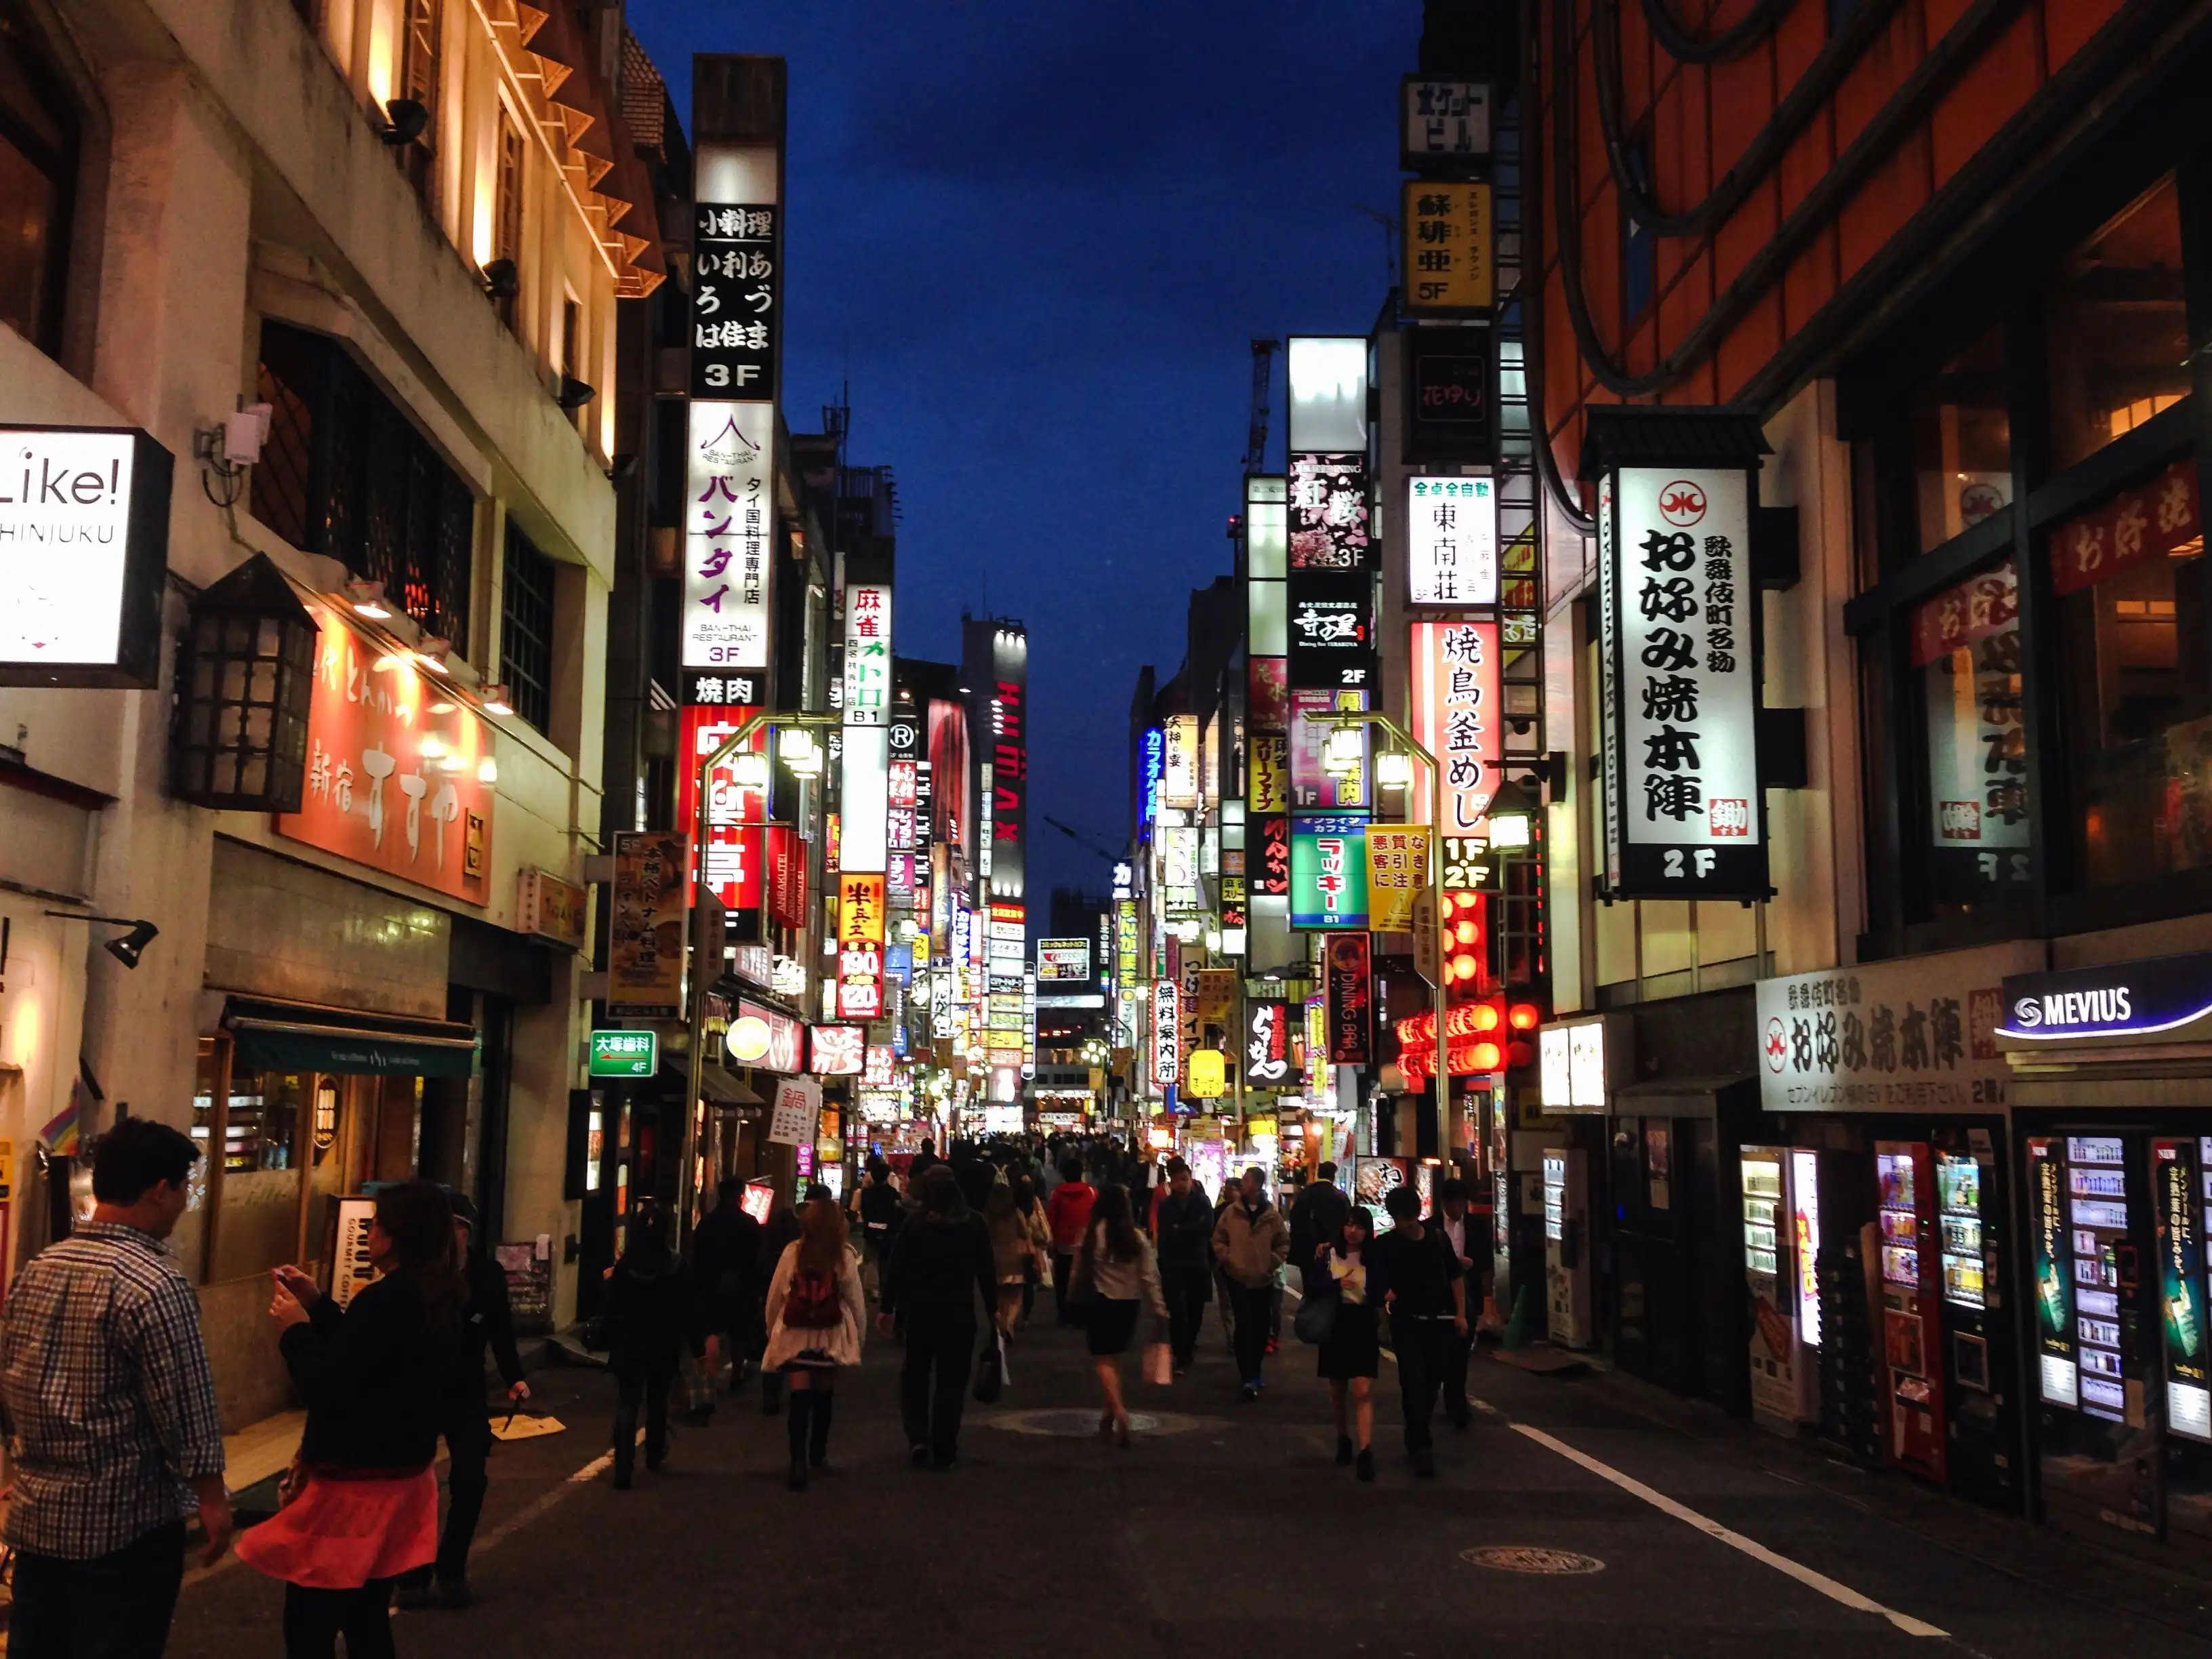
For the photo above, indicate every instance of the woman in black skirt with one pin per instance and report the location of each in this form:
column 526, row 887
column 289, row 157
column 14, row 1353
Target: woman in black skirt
column 1353, row 1353
column 1125, row 1280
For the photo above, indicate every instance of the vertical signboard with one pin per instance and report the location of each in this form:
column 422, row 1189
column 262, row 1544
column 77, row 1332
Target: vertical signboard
column 1270, row 855
column 1329, row 872
column 1451, row 541
column 1457, row 717
column 1314, row 786
column 1351, row 999
column 2058, row 1381
column 1179, row 785
column 867, row 653
column 1266, row 1044
column 1397, row 874
column 1443, row 122
column 733, row 856
column 859, row 945
column 1006, row 750
column 1167, row 1059
column 1685, row 814
column 1449, row 264
column 645, row 927
column 2176, row 1185
column 736, row 256
column 728, row 518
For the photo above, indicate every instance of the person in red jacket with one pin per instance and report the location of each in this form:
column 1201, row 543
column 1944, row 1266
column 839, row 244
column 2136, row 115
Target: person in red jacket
column 1067, row 1212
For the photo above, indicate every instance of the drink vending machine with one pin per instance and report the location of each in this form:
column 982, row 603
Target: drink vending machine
column 1781, row 1239
column 1911, row 1328
column 1567, row 1248
column 1979, row 1391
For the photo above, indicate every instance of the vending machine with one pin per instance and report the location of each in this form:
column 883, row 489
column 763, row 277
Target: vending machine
column 1911, row 1331
column 1567, row 1248
column 1980, row 1390
column 1784, row 1375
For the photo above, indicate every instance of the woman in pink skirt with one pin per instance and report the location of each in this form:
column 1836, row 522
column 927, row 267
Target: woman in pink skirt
column 363, row 1505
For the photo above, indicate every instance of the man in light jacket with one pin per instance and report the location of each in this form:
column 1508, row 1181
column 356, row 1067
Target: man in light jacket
column 1250, row 1241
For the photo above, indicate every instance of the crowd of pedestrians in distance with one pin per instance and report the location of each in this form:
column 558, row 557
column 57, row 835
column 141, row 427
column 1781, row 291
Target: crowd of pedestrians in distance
column 108, row 1402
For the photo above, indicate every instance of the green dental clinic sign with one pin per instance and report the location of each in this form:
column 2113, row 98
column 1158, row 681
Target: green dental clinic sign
column 625, row 1054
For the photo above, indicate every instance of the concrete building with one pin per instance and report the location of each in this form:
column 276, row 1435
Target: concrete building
column 406, row 227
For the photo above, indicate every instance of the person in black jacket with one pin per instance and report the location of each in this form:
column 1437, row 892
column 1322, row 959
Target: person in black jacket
column 1185, row 1224
column 653, row 1313
column 942, row 1269
column 1317, row 1216
column 725, row 1260
column 881, row 1212
column 486, row 1331
column 378, row 1377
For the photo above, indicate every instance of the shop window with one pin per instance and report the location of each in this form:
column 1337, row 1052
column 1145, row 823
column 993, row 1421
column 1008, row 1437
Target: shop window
column 419, row 79
column 2135, row 609
column 39, row 142
column 507, row 210
column 1960, row 436
column 1965, row 644
column 526, row 631
column 345, row 474
column 2115, row 327
column 258, row 1212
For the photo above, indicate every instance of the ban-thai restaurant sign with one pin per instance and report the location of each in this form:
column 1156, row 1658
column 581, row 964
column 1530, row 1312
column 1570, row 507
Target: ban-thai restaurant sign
column 400, row 772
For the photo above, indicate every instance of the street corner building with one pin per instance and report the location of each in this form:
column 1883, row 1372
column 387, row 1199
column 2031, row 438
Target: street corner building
column 315, row 507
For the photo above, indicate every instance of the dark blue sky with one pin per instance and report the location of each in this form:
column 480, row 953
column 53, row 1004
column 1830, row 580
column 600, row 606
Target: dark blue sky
column 1037, row 240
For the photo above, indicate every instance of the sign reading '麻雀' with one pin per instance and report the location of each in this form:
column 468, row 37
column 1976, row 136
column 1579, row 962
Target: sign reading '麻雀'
column 1685, row 816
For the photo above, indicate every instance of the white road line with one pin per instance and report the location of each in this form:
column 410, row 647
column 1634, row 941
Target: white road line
column 1712, row 1529
column 1735, row 1541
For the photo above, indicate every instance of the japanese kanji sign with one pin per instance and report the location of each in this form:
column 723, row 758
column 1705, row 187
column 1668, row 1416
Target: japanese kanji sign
column 735, row 255
column 1350, row 988
column 1331, row 629
column 1397, row 873
column 861, row 946
column 1916, row 1034
column 1678, row 688
column 733, row 850
column 1329, row 872
column 1268, row 706
column 1966, row 642
column 1267, row 780
column 1456, row 717
column 1313, row 785
column 1179, row 777
column 1451, row 541
column 1167, row 1054
column 645, row 927
column 867, row 653
column 728, row 518
column 1328, row 517
column 1266, row 1044
column 624, row 1053
column 1448, row 394
column 1449, row 264
column 389, row 784
column 2136, row 527
column 1443, row 121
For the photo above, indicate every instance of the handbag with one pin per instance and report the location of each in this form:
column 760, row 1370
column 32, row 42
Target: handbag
column 991, row 1375
column 1317, row 1319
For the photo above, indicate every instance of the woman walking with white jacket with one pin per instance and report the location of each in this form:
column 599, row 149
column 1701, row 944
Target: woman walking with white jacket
column 816, row 1314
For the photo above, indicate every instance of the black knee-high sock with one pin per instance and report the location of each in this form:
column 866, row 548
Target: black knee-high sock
column 801, row 1409
column 817, row 1451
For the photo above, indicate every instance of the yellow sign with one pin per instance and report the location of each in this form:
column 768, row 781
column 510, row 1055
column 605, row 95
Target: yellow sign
column 1449, row 264
column 6, row 1169
column 1209, row 1075
column 1397, row 871
column 1269, row 792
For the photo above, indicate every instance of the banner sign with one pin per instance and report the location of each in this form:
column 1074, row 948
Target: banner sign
column 1063, row 960
column 836, row 1050
column 2169, row 998
column 867, row 653
column 84, row 555
column 735, row 260
column 728, row 517
column 860, row 945
column 1451, row 541
column 798, row 1104
column 1167, row 1054
column 1685, row 817
column 1270, row 853
column 1266, row 1044
column 1313, row 787
column 1458, row 717
column 1268, row 780
column 1449, row 263
column 1329, row 872
column 1397, row 874
column 733, row 856
column 1351, row 999
column 645, row 927
column 1328, row 518
column 1331, row 637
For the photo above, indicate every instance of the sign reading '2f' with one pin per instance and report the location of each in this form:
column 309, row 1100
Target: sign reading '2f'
column 1685, row 816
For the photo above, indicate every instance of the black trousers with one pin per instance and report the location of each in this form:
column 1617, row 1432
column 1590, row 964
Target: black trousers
column 1189, row 1289
column 1250, row 1308
column 1455, row 1357
column 1063, row 1263
column 116, row 1606
column 314, row 1620
column 468, row 1444
column 934, row 1383
column 1424, row 1349
column 646, row 1384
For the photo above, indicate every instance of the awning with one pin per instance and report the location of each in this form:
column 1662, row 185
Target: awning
column 304, row 1036
column 1683, row 1096
column 724, row 1088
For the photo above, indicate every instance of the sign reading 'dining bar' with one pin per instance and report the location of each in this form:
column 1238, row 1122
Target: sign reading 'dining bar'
column 84, row 552
column 1685, row 817
column 728, row 521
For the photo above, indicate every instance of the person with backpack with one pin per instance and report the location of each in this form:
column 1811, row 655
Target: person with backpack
column 1415, row 1272
column 941, row 1265
column 653, row 1313
column 816, row 1314
column 777, row 1234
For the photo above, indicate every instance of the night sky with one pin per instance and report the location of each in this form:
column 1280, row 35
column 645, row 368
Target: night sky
column 1035, row 242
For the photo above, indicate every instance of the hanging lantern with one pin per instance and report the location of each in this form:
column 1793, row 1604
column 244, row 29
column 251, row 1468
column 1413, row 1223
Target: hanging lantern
column 245, row 676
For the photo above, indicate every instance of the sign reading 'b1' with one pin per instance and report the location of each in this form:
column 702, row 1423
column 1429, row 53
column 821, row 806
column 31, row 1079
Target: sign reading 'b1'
column 1684, row 815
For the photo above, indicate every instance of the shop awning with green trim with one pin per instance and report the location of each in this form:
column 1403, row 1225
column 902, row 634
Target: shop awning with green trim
column 270, row 1036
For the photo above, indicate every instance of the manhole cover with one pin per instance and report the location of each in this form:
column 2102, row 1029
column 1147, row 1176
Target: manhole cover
column 1523, row 1558
column 1076, row 1425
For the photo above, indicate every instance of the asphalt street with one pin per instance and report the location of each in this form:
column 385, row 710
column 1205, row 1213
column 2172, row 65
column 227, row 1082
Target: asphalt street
column 1229, row 1529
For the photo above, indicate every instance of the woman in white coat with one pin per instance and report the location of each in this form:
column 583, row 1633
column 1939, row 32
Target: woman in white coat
column 816, row 1316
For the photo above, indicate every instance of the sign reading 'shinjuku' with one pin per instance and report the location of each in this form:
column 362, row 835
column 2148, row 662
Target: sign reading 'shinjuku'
column 1684, row 815
column 736, row 259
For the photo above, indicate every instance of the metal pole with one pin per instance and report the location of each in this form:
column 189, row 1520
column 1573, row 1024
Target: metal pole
column 1445, row 1110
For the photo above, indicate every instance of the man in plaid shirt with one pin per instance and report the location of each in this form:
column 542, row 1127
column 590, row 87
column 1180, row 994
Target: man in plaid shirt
column 109, row 1408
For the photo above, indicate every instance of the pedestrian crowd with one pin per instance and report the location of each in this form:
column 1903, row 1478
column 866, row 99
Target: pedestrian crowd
column 108, row 1402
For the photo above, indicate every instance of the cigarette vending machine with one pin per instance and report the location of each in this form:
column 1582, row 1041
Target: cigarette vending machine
column 1912, row 1333
column 1567, row 1248
column 1980, row 1391
column 1781, row 1228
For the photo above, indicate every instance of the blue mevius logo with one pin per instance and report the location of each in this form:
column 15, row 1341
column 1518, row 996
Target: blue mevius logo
column 2129, row 998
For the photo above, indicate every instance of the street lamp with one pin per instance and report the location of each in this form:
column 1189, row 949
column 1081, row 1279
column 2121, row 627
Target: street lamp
column 1512, row 816
column 749, row 777
column 1344, row 729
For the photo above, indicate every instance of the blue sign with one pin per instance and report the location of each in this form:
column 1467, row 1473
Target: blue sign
column 1155, row 766
column 2124, row 999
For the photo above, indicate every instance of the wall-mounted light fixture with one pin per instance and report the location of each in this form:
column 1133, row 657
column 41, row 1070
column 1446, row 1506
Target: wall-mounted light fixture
column 405, row 121
column 126, row 950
